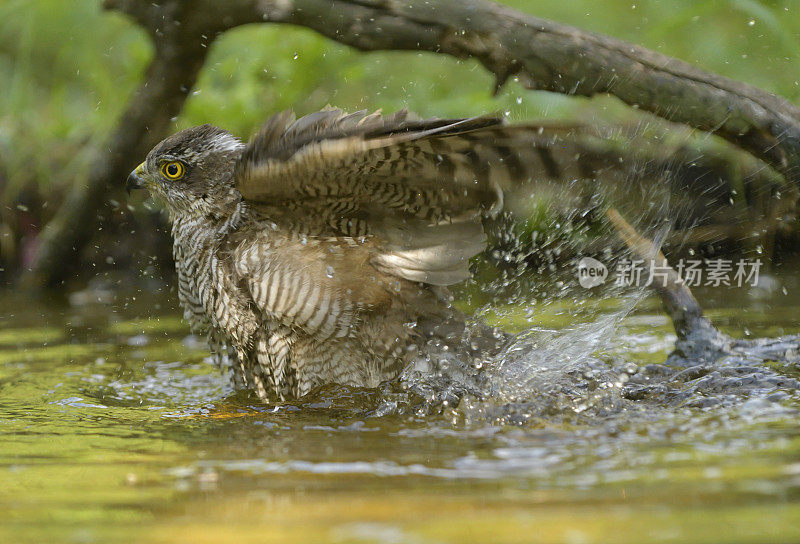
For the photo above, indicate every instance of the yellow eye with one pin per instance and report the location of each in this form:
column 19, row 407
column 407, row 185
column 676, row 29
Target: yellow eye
column 173, row 170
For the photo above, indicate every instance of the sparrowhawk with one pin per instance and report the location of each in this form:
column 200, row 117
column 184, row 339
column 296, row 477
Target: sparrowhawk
column 321, row 251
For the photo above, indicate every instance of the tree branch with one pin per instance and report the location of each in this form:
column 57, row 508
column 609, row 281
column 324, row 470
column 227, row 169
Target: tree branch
column 543, row 54
column 180, row 51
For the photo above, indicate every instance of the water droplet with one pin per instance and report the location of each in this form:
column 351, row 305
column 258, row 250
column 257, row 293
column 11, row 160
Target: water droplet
column 752, row 22
column 329, row 271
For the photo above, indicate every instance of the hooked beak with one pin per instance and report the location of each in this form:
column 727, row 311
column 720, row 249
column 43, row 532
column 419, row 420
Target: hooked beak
column 135, row 180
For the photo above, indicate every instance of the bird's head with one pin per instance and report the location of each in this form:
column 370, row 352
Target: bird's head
column 191, row 171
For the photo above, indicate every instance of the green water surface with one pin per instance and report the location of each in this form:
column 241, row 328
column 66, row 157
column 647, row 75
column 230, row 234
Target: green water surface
column 114, row 428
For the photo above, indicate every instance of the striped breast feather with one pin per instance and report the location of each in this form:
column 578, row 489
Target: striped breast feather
column 317, row 284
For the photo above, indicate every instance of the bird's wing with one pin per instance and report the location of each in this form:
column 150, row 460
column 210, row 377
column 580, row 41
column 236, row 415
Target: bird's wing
column 420, row 187
column 428, row 167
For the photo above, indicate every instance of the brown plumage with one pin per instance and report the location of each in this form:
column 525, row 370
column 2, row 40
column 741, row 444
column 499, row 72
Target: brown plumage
column 320, row 252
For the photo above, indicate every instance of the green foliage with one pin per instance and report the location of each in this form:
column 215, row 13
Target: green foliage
column 258, row 70
column 68, row 70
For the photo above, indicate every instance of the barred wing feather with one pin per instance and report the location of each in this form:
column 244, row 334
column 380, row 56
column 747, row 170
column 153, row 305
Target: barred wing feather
column 416, row 190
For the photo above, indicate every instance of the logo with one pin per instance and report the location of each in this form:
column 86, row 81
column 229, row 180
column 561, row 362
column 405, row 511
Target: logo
column 591, row 272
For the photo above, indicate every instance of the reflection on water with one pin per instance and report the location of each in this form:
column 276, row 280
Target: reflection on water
column 115, row 427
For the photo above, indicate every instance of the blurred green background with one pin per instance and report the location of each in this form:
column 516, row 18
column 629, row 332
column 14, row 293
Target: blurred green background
column 68, row 69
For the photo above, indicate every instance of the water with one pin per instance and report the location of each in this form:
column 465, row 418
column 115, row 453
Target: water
column 114, row 427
